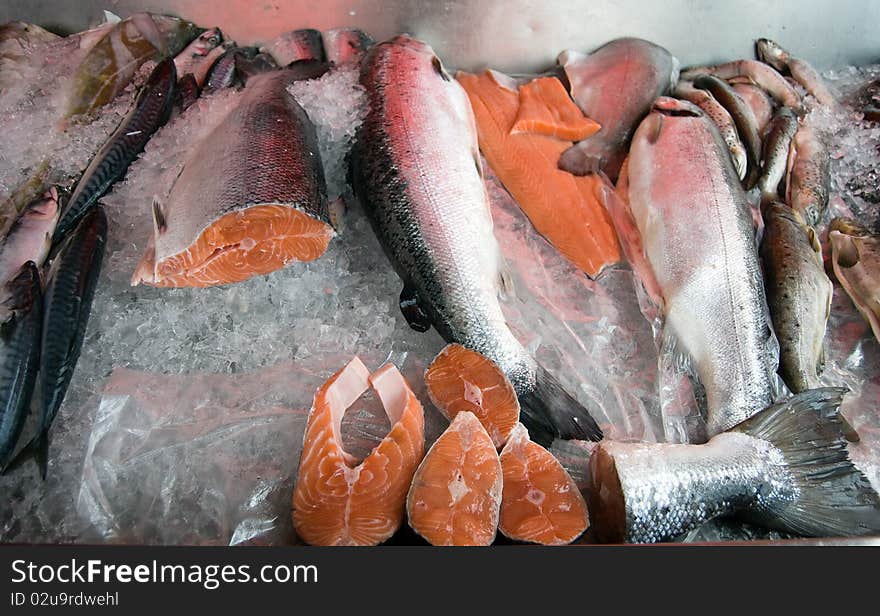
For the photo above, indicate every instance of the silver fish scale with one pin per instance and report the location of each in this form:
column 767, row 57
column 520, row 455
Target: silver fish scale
column 418, row 172
column 699, row 238
column 670, row 489
column 264, row 152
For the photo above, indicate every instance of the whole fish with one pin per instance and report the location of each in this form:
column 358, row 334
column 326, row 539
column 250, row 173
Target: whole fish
column 798, row 294
column 809, row 175
column 855, row 257
column 800, row 70
column 70, row 289
column 30, row 236
column 756, row 72
column 716, row 112
column 615, row 86
column 251, row 196
column 775, row 154
column 684, row 192
column 19, row 355
column 758, row 101
column 416, row 168
column 150, row 111
column 743, row 118
column 346, row 45
column 786, row 468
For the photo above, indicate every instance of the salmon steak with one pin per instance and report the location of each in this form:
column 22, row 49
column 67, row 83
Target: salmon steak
column 251, row 197
column 540, row 502
column 460, row 379
column 456, row 492
column 337, row 501
column 522, row 133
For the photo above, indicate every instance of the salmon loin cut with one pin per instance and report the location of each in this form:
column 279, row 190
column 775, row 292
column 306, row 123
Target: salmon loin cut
column 460, row 379
column 456, row 492
column 339, row 502
column 541, row 502
column 250, row 199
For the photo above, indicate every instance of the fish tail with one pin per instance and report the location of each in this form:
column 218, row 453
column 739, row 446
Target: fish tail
column 549, row 412
column 38, row 449
column 833, row 497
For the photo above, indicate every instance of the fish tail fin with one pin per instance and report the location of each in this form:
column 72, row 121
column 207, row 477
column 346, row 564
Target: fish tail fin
column 38, row 449
column 549, row 412
column 832, row 497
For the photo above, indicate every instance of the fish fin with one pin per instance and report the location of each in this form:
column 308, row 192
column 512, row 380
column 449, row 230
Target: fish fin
column 577, row 161
column 549, row 412
column 336, row 210
column 506, row 285
column 186, row 93
column 160, row 222
column 681, row 359
column 438, row 66
column 833, row 497
column 847, row 252
column 409, row 305
column 814, row 240
column 38, row 449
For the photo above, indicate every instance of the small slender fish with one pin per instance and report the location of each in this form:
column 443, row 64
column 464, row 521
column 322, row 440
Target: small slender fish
column 19, row 355
column 798, row 294
column 800, row 70
column 775, row 155
column 758, row 100
column 200, row 55
column 787, row 469
column 30, row 236
column 743, row 118
column 716, row 112
column 855, row 256
column 809, row 182
column 151, row 110
column 758, row 73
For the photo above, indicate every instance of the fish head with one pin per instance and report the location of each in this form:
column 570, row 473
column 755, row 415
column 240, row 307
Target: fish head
column 419, row 52
column 845, row 235
column 45, row 208
column 206, row 42
column 771, row 53
column 665, row 112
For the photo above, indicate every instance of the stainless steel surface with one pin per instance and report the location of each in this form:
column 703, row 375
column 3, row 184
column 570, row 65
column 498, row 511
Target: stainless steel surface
column 523, row 35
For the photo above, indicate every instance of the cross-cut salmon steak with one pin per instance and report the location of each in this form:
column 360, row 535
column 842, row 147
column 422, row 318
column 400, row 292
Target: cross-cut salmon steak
column 339, row 502
column 456, row 492
column 251, row 197
column 460, row 379
column 541, row 502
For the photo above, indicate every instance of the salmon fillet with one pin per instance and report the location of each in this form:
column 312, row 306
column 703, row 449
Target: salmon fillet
column 339, row 502
column 565, row 209
column 545, row 108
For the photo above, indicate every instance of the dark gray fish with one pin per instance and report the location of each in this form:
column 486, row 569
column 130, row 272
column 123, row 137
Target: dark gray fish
column 416, row 169
column 798, row 294
column 187, row 93
column 346, row 45
column 743, row 118
column 786, row 468
column 775, row 154
column 73, row 277
column 19, row 355
column 248, row 66
column 222, row 74
column 151, row 110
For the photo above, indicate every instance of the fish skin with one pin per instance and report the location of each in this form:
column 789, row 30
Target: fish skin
column 716, row 112
column 775, row 152
column 801, row 71
column 683, row 191
column 29, row 238
column 227, row 171
column 416, row 168
column 296, row 45
column 70, row 289
column 19, row 355
column 758, row 73
column 346, row 45
column 855, row 257
column 222, row 73
column 809, row 182
column 615, row 86
column 761, row 472
column 150, row 111
column 758, row 100
column 743, row 118
column 798, row 293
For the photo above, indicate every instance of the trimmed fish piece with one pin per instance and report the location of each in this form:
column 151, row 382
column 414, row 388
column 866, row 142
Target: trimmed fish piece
column 699, row 239
column 251, row 197
column 150, row 111
column 615, row 86
column 800, row 70
column 761, row 472
column 777, row 147
column 809, row 182
column 716, row 112
column 798, row 294
column 416, row 169
column 337, row 501
column 758, row 73
column 19, row 355
column 305, row 44
column 855, row 255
